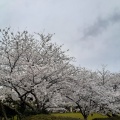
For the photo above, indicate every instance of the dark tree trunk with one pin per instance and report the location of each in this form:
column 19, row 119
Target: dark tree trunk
column 108, row 115
column 85, row 117
column 22, row 107
column 3, row 111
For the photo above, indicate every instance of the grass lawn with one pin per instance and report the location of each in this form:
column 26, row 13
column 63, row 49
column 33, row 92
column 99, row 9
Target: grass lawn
column 70, row 115
column 48, row 117
column 78, row 115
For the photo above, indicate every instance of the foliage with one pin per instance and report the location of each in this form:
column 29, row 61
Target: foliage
column 112, row 118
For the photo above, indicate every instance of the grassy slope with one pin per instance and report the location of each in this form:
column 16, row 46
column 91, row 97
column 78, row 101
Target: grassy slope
column 78, row 115
column 48, row 117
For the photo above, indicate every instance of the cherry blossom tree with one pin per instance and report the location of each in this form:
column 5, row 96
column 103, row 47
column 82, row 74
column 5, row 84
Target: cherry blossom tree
column 82, row 93
column 33, row 67
column 41, row 76
column 89, row 95
column 104, row 75
column 108, row 90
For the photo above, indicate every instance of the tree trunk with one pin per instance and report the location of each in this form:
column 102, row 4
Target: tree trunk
column 22, row 107
column 85, row 118
column 3, row 111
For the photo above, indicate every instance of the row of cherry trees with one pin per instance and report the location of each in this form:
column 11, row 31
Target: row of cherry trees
column 32, row 68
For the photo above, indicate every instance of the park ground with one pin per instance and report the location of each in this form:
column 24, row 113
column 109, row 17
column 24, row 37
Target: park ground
column 65, row 115
column 78, row 115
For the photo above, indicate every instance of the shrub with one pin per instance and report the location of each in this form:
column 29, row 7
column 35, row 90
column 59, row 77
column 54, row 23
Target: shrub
column 112, row 118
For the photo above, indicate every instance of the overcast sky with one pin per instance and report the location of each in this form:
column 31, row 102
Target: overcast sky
column 90, row 29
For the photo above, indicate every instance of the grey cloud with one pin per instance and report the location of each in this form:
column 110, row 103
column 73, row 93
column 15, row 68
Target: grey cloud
column 100, row 25
column 67, row 19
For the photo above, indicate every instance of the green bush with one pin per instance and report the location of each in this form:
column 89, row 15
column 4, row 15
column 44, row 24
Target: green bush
column 112, row 118
column 48, row 117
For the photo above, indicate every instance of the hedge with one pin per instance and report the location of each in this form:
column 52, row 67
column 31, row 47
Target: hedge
column 111, row 118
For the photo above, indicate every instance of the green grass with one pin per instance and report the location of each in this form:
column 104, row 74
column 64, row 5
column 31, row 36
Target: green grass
column 48, row 117
column 79, row 115
column 70, row 115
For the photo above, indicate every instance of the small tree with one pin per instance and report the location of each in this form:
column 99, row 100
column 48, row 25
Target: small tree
column 104, row 75
column 82, row 92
